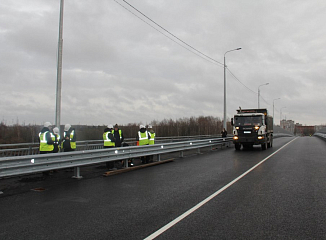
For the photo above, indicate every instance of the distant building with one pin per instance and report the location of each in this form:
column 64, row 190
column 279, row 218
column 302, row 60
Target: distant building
column 304, row 130
column 287, row 125
column 299, row 129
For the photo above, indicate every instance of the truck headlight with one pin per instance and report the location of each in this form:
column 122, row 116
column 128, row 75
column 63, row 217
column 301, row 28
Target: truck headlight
column 260, row 137
column 235, row 137
column 237, row 128
column 256, row 127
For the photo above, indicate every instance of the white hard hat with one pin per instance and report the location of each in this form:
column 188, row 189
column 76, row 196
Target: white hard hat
column 110, row 126
column 141, row 126
column 47, row 124
column 150, row 126
column 67, row 127
column 56, row 130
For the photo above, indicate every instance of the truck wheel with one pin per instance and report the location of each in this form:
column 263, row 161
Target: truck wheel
column 237, row 146
column 264, row 146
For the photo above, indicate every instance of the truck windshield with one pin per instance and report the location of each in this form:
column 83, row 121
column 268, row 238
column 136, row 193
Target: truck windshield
column 248, row 121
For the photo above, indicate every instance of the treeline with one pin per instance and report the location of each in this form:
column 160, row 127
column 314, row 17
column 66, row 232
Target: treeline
column 166, row 128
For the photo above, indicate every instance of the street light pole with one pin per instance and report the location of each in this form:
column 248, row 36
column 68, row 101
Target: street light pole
column 273, row 108
column 224, row 115
column 59, row 69
column 259, row 93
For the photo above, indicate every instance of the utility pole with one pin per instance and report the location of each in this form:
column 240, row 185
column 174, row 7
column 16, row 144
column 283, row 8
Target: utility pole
column 224, row 114
column 59, row 69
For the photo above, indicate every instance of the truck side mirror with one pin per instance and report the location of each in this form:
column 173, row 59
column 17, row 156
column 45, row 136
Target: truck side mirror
column 231, row 121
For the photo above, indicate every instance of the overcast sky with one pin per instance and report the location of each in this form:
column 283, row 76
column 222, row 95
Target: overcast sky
column 119, row 69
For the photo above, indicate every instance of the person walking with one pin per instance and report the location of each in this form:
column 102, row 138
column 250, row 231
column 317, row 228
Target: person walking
column 118, row 135
column 224, row 133
column 109, row 142
column 69, row 139
column 46, row 139
column 56, row 139
column 142, row 139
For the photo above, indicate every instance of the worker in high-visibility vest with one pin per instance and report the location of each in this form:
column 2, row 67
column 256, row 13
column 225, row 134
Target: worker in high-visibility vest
column 69, row 139
column 46, row 139
column 151, row 133
column 109, row 142
column 56, row 140
column 108, row 138
column 118, row 135
column 143, row 139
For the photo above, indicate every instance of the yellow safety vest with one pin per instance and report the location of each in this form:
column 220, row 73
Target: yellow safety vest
column 143, row 138
column 44, row 146
column 107, row 140
column 72, row 144
column 152, row 138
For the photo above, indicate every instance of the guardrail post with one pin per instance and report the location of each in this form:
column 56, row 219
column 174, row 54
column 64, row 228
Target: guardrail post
column 77, row 173
column 198, row 150
column 158, row 157
column 181, row 154
column 125, row 163
column 30, row 150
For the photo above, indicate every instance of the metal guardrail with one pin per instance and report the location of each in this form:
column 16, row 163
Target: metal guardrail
column 21, row 149
column 321, row 135
column 13, row 166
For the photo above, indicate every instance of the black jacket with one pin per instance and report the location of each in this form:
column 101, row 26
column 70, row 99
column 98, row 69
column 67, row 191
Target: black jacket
column 111, row 137
column 66, row 140
column 118, row 139
column 224, row 134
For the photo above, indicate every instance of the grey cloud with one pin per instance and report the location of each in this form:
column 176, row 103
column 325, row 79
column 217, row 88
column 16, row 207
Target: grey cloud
column 116, row 68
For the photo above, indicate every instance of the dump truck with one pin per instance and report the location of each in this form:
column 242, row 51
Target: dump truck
column 252, row 127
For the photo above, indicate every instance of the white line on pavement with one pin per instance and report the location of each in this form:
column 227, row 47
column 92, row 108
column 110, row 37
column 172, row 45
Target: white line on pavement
column 178, row 219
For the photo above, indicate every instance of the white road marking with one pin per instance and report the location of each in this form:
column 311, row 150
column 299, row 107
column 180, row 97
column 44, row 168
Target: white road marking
column 178, row 219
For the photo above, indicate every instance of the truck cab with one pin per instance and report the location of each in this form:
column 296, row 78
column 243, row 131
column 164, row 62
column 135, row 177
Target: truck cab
column 252, row 127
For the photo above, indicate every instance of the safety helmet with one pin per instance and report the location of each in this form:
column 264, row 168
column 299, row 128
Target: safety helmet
column 110, row 126
column 67, row 127
column 141, row 126
column 149, row 126
column 47, row 124
column 56, row 130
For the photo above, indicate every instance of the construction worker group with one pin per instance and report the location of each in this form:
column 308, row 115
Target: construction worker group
column 50, row 141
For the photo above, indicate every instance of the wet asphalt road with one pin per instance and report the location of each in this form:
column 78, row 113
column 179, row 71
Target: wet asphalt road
column 283, row 198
